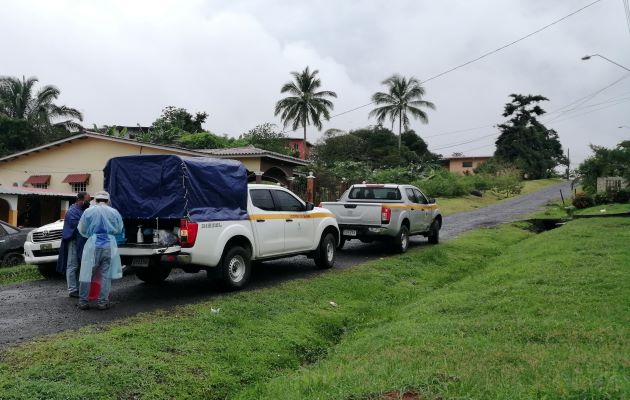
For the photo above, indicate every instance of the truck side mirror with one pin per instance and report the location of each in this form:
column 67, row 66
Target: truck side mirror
column 310, row 206
column 431, row 200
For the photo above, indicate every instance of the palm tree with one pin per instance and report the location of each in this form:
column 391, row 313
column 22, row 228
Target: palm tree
column 18, row 101
column 403, row 97
column 306, row 105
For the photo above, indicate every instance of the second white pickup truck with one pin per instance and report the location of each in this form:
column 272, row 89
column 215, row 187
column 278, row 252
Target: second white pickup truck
column 390, row 212
column 200, row 214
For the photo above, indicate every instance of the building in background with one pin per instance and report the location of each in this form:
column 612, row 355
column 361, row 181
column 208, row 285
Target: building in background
column 460, row 164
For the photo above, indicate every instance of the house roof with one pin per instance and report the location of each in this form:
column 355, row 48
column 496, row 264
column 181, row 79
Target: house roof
column 28, row 190
column 467, row 157
column 100, row 136
column 252, row 152
column 308, row 143
column 240, row 152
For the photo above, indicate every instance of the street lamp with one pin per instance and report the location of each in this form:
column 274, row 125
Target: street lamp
column 605, row 58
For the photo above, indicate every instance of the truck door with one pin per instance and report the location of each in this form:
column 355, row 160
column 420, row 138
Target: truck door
column 427, row 214
column 416, row 214
column 268, row 223
column 298, row 226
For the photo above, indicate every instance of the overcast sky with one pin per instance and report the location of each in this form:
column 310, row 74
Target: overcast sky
column 121, row 62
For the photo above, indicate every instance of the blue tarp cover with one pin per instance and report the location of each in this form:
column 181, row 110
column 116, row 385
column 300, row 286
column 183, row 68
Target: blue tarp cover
column 169, row 186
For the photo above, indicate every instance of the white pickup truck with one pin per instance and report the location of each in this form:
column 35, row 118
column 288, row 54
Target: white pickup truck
column 41, row 248
column 391, row 212
column 208, row 218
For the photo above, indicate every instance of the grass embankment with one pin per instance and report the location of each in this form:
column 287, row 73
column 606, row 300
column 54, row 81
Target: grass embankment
column 468, row 318
column 467, row 203
column 19, row 273
column 556, row 210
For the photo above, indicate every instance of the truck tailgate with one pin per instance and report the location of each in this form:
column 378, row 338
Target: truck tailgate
column 355, row 213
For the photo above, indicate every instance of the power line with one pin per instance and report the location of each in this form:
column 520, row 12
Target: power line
column 489, row 53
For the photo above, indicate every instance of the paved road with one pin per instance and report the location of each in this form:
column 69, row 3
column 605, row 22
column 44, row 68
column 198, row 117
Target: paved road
column 38, row 308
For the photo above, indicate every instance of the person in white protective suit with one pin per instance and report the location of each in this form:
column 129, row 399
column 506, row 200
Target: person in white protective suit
column 100, row 262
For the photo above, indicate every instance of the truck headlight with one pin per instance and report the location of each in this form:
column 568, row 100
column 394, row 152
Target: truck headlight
column 29, row 237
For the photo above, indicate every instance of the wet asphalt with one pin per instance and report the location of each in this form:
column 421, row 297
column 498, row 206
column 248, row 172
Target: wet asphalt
column 33, row 309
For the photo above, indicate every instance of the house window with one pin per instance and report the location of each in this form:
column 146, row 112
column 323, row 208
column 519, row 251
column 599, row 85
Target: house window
column 38, row 181
column 41, row 185
column 79, row 187
column 78, row 182
column 296, row 147
column 467, row 164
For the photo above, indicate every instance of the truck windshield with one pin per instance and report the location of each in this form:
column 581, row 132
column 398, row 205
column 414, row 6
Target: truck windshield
column 374, row 193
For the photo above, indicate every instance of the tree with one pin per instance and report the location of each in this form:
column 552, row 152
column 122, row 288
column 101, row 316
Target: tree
column 605, row 162
column 525, row 142
column 403, row 98
column 172, row 125
column 19, row 101
column 306, row 105
column 267, row 137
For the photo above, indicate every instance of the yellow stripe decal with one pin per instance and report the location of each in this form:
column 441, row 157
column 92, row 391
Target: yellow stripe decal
column 254, row 217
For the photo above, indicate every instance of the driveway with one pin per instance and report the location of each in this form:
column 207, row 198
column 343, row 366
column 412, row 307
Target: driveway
column 39, row 308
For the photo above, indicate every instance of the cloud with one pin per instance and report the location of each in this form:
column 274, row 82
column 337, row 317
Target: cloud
column 121, row 62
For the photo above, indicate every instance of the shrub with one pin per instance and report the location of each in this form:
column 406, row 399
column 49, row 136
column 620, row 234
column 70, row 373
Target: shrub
column 602, row 198
column 582, row 200
column 445, row 184
column 507, row 185
column 621, row 196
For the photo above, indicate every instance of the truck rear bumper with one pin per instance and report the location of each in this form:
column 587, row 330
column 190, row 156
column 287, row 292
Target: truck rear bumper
column 359, row 231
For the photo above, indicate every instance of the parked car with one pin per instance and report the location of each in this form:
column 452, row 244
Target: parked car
column 390, row 212
column 12, row 244
column 200, row 214
column 41, row 247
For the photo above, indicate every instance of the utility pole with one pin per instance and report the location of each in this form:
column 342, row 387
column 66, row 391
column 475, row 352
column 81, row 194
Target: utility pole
column 568, row 162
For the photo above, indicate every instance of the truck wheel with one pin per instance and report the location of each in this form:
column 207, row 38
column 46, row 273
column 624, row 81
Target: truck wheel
column 326, row 252
column 155, row 273
column 12, row 259
column 48, row 270
column 401, row 241
column 434, row 233
column 235, row 268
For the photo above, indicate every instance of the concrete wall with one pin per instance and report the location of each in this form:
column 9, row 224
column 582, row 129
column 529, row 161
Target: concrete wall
column 611, row 182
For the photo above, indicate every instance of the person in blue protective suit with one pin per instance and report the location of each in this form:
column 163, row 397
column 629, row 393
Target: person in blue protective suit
column 72, row 244
column 100, row 262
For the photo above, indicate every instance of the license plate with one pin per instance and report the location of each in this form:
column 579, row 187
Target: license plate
column 140, row 262
column 45, row 246
column 349, row 232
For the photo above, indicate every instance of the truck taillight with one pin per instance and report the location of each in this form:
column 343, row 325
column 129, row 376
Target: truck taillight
column 386, row 215
column 187, row 233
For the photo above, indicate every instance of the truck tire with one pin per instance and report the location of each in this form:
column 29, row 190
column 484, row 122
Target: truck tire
column 401, row 240
column 12, row 259
column 235, row 268
column 326, row 252
column 155, row 273
column 48, row 270
column 434, row 233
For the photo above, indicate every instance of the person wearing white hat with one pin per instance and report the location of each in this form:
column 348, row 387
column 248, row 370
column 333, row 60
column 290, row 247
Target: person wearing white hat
column 101, row 261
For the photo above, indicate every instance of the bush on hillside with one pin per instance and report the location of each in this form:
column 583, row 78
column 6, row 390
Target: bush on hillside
column 621, row 196
column 507, row 185
column 582, row 200
column 445, row 184
column 602, row 198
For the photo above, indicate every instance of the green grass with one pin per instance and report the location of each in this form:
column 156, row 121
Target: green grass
column 555, row 210
column 608, row 209
column 19, row 273
column 471, row 318
column 450, row 206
